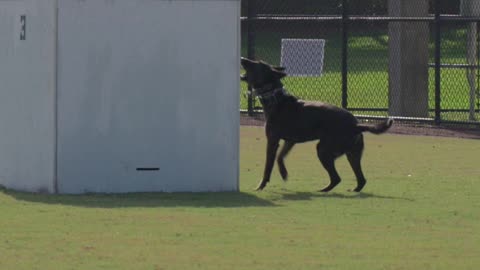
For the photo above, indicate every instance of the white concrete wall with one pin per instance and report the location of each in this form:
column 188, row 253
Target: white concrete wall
column 27, row 94
column 148, row 84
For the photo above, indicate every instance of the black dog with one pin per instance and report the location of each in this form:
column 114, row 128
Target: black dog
column 297, row 121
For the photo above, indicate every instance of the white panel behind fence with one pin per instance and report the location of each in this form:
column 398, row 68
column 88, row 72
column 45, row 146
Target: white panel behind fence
column 303, row 57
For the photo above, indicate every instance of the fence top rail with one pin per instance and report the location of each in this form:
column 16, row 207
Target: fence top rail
column 449, row 65
column 288, row 17
column 267, row 17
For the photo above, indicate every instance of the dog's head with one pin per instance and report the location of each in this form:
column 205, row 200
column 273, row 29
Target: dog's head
column 261, row 76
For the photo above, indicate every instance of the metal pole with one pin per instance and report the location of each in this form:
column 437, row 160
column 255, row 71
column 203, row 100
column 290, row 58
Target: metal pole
column 344, row 54
column 472, row 60
column 471, row 8
column 438, row 45
column 477, row 69
column 250, row 48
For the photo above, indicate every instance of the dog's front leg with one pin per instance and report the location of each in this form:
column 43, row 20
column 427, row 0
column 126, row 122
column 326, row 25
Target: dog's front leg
column 272, row 146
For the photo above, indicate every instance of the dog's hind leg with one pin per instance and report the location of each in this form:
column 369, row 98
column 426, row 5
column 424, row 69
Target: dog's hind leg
column 354, row 157
column 272, row 147
column 287, row 146
column 327, row 158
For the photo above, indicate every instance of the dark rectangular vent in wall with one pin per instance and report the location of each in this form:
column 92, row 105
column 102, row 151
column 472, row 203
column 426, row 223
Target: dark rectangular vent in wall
column 148, row 169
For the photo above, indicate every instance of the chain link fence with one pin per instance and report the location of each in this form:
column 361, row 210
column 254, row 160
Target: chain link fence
column 414, row 60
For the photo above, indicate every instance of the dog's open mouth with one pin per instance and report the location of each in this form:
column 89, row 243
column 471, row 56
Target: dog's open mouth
column 251, row 89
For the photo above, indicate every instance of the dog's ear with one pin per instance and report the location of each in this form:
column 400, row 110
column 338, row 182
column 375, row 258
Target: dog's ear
column 246, row 62
column 279, row 74
column 279, row 68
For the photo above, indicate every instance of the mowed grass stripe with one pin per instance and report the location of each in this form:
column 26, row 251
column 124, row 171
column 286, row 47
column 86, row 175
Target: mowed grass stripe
column 419, row 211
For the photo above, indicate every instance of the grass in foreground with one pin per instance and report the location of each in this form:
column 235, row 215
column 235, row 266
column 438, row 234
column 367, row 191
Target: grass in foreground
column 419, row 211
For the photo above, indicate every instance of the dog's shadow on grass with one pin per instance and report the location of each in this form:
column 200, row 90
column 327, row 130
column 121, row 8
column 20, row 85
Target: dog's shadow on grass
column 205, row 200
column 333, row 195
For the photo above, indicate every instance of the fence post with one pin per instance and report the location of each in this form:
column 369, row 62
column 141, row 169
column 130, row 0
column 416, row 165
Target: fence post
column 250, row 48
column 478, row 69
column 408, row 59
column 438, row 44
column 345, row 54
column 471, row 8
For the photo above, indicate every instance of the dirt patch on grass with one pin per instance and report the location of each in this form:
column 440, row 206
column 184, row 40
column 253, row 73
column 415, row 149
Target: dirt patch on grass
column 398, row 128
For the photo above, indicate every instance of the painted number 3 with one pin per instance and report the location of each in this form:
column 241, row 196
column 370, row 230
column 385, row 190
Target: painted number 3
column 23, row 27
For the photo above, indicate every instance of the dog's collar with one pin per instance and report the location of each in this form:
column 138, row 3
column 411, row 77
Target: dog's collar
column 272, row 96
column 272, row 93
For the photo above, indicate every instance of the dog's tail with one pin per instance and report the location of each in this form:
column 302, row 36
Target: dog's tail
column 378, row 128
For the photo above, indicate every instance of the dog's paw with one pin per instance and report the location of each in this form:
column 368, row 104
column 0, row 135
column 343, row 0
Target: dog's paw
column 359, row 187
column 330, row 186
column 261, row 186
column 284, row 175
column 357, row 190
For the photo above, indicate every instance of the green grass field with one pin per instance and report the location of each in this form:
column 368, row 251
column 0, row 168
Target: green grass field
column 419, row 210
